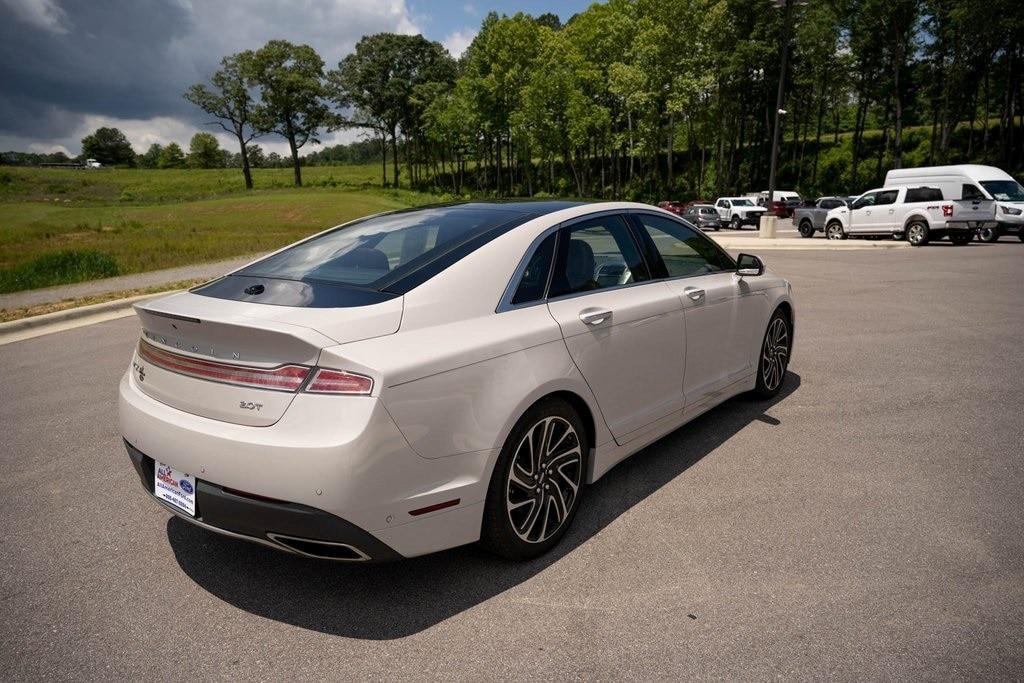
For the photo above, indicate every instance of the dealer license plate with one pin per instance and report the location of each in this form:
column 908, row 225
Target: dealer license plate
column 175, row 487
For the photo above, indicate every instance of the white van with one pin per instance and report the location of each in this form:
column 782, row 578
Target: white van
column 967, row 181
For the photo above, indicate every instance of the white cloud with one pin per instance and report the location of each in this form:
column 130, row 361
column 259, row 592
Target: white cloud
column 42, row 14
column 457, row 41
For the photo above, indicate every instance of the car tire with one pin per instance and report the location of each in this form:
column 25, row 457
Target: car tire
column 988, row 235
column 806, row 229
column 834, row 231
column 774, row 357
column 516, row 518
column 917, row 233
column 961, row 239
column 737, row 223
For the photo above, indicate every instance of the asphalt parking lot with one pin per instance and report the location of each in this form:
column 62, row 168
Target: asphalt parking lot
column 867, row 523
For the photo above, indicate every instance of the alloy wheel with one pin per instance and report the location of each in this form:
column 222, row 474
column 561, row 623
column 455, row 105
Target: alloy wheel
column 915, row 233
column 774, row 354
column 545, row 479
column 835, row 232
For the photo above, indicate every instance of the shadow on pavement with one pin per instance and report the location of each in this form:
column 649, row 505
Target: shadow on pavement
column 393, row 600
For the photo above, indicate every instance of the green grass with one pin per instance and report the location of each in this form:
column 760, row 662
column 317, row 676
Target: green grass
column 172, row 218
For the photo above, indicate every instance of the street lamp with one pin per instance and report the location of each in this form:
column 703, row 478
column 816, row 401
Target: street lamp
column 787, row 20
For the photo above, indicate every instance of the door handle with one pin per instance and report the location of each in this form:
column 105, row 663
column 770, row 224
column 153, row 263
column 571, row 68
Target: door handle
column 892, row 210
column 595, row 316
column 694, row 293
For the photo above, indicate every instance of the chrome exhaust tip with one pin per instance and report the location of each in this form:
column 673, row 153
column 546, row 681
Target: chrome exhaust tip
column 321, row 550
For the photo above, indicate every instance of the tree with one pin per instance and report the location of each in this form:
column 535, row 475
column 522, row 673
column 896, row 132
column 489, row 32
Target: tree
column 171, row 156
column 257, row 159
column 151, row 159
column 290, row 81
column 229, row 99
column 380, row 80
column 204, row 152
column 108, row 146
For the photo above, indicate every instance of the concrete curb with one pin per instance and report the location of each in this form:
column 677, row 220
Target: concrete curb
column 37, row 325
column 802, row 244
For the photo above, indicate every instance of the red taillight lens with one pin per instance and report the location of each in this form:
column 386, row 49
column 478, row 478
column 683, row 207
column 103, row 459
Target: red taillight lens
column 339, row 382
column 947, row 210
column 283, row 378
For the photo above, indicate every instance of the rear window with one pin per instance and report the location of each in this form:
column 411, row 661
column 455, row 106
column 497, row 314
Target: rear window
column 924, row 194
column 377, row 249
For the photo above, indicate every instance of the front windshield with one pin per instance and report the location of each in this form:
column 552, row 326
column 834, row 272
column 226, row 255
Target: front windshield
column 1004, row 190
column 742, row 202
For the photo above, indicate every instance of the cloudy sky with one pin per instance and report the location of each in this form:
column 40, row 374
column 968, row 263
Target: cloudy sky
column 70, row 66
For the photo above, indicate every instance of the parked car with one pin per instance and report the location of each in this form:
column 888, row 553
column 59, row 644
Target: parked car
column 421, row 379
column 672, row 207
column 971, row 181
column 704, row 216
column 810, row 218
column 738, row 211
column 920, row 214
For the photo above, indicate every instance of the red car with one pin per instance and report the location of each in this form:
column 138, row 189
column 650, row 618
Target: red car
column 672, row 206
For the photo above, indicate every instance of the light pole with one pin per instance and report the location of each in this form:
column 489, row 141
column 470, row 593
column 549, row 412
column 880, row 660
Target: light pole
column 787, row 19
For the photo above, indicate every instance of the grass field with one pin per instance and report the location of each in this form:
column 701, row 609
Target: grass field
column 59, row 226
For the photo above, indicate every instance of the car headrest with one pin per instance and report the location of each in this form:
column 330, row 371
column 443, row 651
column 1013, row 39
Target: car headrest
column 579, row 267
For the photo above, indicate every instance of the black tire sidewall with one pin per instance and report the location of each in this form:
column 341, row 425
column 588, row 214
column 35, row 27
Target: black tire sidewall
column 806, row 229
column 496, row 532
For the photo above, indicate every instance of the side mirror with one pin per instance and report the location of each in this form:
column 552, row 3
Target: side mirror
column 749, row 265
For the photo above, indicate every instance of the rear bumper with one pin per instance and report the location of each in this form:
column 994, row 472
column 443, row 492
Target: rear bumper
column 286, row 526
column 334, row 468
column 954, row 226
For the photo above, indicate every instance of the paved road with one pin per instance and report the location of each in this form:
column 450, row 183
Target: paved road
column 866, row 524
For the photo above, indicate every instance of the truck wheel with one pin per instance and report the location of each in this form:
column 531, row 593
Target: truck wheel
column 806, row 229
column 960, row 238
column 988, row 234
column 737, row 223
column 834, row 231
column 917, row 234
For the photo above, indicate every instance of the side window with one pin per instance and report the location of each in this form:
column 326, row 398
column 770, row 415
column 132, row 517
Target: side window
column 887, row 197
column 595, row 254
column 535, row 277
column 830, row 203
column 683, row 251
column 971, row 192
column 865, row 201
column 923, row 194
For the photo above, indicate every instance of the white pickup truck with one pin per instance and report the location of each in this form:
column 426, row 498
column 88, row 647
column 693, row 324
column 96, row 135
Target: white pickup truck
column 918, row 214
column 738, row 211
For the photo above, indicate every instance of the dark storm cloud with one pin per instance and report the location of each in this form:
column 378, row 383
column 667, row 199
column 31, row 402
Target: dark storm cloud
column 115, row 59
column 66, row 64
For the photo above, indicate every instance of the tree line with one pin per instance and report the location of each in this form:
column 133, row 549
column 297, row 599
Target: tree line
column 648, row 99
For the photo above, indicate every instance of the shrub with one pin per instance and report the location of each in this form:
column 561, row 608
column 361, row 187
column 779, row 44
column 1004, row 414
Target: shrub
column 58, row 268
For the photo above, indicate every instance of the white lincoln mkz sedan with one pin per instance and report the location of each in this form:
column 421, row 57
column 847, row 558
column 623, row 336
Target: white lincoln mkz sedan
column 422, row 379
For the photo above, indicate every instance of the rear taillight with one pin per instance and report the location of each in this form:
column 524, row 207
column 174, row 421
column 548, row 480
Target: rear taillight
column 282, row 378
column 947, row 210
column 339, row 382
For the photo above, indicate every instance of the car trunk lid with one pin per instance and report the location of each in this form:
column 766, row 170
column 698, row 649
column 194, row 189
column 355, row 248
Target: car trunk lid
column 242, row 362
